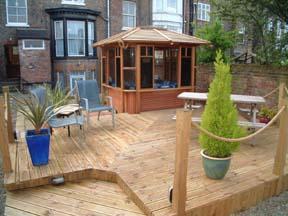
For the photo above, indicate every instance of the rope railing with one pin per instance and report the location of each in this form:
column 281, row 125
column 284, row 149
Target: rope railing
column 272, row 92
column 241, row 139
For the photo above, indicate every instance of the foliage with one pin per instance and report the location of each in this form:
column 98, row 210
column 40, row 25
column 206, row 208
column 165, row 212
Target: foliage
column 267, row 113
column 219, row 38
column 38, row 114
column 262, row 20
column 220, row 115
column 57, row 95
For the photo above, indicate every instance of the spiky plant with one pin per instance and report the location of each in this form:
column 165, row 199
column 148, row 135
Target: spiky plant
column 38, row 114
column 57, row 95
column 220, row 115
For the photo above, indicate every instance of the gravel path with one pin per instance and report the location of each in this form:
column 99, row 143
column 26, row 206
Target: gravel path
column 275, row 206
column 2, row 191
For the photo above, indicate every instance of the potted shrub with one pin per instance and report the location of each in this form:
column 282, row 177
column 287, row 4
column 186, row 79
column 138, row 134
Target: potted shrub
column 38, row 111
column 266, row 114
column 220, row 118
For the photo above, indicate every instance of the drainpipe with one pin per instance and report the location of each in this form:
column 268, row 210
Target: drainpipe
column 108, row 18
column 183, row 16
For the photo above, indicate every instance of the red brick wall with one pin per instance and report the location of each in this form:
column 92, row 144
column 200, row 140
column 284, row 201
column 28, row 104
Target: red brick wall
column 247, row 79
column 35, row 65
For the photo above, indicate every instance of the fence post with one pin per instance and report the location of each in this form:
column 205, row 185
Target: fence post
column 183, row 131
column 9, row 117
column 280, row 156
column 4, row 143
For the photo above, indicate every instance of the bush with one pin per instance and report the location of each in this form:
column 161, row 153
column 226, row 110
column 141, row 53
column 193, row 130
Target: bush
column 220, row 40
column 220, row 115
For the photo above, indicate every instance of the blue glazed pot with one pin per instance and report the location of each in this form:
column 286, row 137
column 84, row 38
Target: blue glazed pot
column 215, row 168
column 38, row 145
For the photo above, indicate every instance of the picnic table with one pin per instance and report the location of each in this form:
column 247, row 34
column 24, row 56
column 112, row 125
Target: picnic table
column 189, row 97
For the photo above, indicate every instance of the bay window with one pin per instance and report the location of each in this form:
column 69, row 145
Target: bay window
column 74, row 38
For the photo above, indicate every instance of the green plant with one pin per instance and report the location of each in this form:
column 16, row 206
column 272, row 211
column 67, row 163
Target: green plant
column 57, row 95
column 220, row 115
column 266, row 112
column 220, row 40
column 38, row 114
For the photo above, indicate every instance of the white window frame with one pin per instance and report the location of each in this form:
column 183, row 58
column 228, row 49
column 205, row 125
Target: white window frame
column 34, row 48
column 84, row 39
column 202, row 8
column 14, row 24
column 76, row 76
column 129, row 15
column 74, row 2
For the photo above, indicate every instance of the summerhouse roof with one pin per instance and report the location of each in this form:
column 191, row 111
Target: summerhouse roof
column 151, row 35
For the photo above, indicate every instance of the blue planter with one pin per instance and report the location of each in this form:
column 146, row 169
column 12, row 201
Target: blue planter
column 215, row 168
column 38, row 145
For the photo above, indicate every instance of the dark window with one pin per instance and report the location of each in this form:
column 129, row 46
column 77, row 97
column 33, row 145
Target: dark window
column 118, row 72
column 146, row 72
column 129, row 57
column 104, row 70
column 186, row 72
column 112, row 77
column 74, row 38
column 129, row 79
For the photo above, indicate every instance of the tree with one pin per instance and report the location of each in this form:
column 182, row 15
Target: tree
column 220, row 115
column 261, row 20
column 219, row 38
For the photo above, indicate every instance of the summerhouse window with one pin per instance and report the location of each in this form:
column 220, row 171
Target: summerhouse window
column 203, row 12
column 16, row 11
column 129, row 14
column 186, row 66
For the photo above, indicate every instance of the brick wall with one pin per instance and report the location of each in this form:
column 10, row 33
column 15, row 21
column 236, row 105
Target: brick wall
column 35, row 65
column 247, row 79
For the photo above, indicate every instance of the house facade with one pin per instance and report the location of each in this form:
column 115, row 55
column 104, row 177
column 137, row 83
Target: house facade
column 49, row 40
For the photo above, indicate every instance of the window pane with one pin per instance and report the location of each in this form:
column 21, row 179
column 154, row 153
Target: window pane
column 125, row 7
column 90, row 38
column 21, row 3
column 59, row 47
column 186, row 72
column 33, row 44
column 131, row 22
column 11, row 2
column 76, row 38
column 143, row 51
column 12, row 11
column 22, row 11
column 22, row 19
column 125, row 21
column 58, row 29
column 147, row 72
column 118, row 72
column 112, row 77
column 171, row 4
column 129, row 79
column 129, row 57
column 12, row 19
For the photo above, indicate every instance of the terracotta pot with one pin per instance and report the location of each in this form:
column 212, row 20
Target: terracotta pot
column 264, row 120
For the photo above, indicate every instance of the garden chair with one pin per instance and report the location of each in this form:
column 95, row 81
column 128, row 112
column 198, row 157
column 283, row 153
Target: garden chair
column 89, row 99
column 55, row 122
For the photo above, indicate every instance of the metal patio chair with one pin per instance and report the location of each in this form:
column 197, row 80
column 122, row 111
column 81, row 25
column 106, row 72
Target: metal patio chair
column 88, row 96
column 55, row 122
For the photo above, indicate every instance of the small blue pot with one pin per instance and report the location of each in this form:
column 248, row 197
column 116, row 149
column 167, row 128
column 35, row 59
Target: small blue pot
column 215, row 168
column 38, row 145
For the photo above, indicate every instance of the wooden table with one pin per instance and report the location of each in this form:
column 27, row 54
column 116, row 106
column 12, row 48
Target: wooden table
column 189, row 97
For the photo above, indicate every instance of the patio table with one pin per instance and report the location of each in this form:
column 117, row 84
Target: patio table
column 189, row 97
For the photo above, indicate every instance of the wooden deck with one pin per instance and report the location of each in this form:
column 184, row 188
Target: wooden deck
column 138, row 155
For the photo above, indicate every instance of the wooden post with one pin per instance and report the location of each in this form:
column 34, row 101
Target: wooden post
column 183, row 131
column 138, row 78
column 281, row 151
column 10, row 130
column 280, row 97
column 4, row 143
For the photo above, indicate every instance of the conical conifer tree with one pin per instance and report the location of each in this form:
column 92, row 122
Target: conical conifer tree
column 220, row 115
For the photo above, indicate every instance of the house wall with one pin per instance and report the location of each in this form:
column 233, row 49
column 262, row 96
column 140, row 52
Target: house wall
column 247, row 79
column 38, row 18
column 35, row 65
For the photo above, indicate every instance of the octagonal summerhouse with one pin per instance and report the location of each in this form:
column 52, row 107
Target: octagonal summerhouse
column 145, row 68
